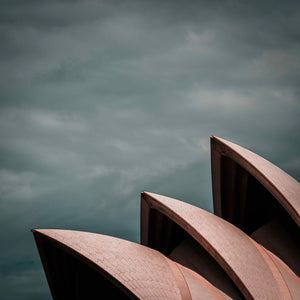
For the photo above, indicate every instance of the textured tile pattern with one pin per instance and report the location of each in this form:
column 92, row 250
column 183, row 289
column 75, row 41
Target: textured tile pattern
column 233, row 249
column 200, row 288
column 291, row 280
column 144, row 271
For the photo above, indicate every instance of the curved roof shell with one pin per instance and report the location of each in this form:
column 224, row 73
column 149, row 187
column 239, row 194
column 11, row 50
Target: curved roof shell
column 138, row 271
column 248, row 249
column 246, row 262
column 239, row 163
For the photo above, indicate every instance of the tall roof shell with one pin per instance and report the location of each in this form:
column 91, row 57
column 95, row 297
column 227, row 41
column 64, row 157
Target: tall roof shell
column 248, row 264
column 281, row 185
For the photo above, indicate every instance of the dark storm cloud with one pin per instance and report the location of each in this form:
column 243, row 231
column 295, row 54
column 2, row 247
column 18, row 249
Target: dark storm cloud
column 103, row 99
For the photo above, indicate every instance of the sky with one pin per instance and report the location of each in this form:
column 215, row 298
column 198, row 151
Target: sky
column 100, row 100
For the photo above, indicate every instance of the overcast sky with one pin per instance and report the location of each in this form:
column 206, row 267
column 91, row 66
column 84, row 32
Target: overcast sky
column 101, row 100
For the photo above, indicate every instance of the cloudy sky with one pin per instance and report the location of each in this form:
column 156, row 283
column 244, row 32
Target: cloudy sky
column 101, row 100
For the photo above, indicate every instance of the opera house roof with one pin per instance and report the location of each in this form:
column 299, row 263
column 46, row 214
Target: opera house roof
column 248, row 249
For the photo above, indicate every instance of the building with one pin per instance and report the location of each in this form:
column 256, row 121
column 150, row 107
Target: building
column 248, row 249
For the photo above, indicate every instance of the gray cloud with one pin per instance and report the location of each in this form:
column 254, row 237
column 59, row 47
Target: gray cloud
column 103, row 99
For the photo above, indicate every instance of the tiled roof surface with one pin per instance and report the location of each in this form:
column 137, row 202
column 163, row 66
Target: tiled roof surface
column 145, row 272
column 245, row 261
column 249, row 269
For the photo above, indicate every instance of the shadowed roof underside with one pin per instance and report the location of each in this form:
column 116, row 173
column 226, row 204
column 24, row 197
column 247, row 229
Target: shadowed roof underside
column 257, row 197
column 236, row 163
